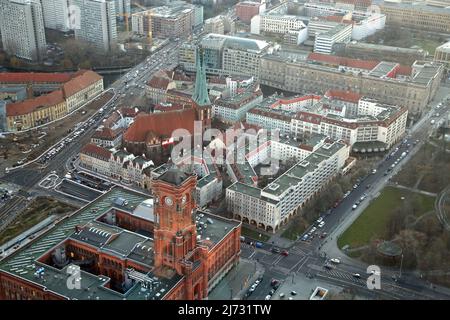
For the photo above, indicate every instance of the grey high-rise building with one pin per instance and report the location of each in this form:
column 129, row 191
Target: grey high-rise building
column 97, row 22
column 56, row 14
column 22, row 28
column 123, row 9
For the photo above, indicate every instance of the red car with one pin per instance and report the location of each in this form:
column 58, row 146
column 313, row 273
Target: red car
column 285, row 253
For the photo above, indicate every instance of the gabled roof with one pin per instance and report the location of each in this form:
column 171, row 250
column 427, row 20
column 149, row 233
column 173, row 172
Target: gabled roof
column 97, row 152
column 128, row 112
column 160, row 124
column 81, row 80
column 159, row 82
column 31, row 77
column 107, row 134
column 342, row 95
column 30, row 105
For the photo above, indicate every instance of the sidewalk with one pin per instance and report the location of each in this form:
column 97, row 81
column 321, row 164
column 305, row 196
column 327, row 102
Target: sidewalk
column 304, row 288
column 234, row 284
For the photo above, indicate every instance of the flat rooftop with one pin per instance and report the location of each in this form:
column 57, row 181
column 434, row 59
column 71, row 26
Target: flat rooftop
column 419, row 6
column 444, row 47
column 107, row 238
column 295, row 174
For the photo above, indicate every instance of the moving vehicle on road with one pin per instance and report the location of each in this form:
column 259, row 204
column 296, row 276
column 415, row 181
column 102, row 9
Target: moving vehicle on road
column 276, row 250
column 335, row 260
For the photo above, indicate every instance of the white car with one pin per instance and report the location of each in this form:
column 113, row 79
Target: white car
column 355, row 206
column 267, row 297
column 321, row 224
column 335, row 260
column 319, row 220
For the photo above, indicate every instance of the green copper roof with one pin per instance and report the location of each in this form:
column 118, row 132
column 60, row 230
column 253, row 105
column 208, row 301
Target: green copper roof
column 201, row 96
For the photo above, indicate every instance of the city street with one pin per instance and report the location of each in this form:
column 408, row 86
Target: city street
column 306, row 260
column 27, row 177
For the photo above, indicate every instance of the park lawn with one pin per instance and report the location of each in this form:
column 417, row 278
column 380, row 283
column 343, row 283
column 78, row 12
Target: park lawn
column 373, row 221
column 429, row 45
column 247, row 232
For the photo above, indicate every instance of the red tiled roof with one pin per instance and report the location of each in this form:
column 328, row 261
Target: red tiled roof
column 128, row 112
column 27, row 106
column 298, row 99
column 31, row 77
column 81, row 80
column 349, row 96
column 271, row 114
column 309, row 117
column 159, row 82
column 96, row 151
column 343, row 61
column 113, row 118
column 107, row 134
column 160, row 124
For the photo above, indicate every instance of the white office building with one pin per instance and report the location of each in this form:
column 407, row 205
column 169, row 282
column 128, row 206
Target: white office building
column 233, row 107
column 22, row 29
column 325, row 41
column 97, row 22
column 271, row 207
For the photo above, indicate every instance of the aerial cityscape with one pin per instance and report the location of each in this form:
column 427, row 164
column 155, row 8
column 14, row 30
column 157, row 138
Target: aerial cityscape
column 245, row 150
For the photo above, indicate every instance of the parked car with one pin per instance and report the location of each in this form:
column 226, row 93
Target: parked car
column 285, row 253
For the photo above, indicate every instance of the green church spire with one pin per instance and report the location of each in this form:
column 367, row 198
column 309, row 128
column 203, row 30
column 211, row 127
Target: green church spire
column 200, row 95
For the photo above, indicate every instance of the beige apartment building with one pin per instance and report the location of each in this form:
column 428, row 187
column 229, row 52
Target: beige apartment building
column 413, row 89
column 417, row 16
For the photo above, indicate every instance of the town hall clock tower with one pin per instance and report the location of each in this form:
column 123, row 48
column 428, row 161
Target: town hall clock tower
column 175, row 232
